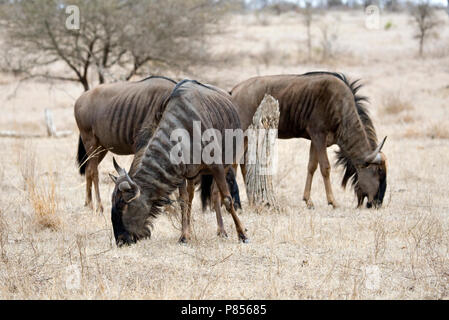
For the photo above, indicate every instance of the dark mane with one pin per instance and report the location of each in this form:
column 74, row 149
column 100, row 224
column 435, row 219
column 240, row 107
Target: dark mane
column 177, row 89
column 350, row 172
column 157, row 77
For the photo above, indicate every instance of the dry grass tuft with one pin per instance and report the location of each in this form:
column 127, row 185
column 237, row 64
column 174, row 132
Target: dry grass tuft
column 43, row 199
column 41, row 193
column 435, row 131
column 438, row 131
column 393, row 104
column 408, row 118
column 413, row 133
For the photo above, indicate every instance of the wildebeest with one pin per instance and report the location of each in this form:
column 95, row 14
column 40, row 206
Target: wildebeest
column 138, row 197
column 326, row 109
column 110, row 118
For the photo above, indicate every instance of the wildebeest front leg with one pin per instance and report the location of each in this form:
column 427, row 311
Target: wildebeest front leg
column 319, row 142
column 186, row 193
column 313, row 164
column 220, row 179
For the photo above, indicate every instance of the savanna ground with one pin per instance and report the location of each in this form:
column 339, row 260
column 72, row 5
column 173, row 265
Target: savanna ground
column 398, row 252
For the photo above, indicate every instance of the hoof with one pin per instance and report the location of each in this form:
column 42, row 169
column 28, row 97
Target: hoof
column 334, row 205
column 183, row 240
column 100, row 210
column 309, row 204
column 222, row 234
column 243, row 238
column 246, row 240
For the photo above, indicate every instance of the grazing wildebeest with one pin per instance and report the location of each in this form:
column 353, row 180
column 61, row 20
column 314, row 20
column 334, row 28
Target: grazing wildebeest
column 138, row 197
column 324, row 108
column 110, row 118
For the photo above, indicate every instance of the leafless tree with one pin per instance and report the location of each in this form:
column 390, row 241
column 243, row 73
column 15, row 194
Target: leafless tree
column 307, row 13
column 115, row 39
column 425, row 20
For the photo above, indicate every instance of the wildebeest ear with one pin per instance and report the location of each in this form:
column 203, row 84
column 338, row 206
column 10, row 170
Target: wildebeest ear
column 114, row 178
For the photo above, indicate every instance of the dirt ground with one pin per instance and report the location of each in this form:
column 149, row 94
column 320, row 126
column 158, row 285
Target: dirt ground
column 398, row 252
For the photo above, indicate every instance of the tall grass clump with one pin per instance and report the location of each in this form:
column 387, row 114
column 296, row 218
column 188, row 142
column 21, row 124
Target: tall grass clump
column 41, row 192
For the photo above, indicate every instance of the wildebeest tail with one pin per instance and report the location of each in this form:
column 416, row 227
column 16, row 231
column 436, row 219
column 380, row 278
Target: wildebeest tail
column 206, row 187
column 233, row 188
column 81, row 157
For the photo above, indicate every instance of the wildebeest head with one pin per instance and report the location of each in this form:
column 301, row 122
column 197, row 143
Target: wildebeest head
column 130, row 212
column 372, row 178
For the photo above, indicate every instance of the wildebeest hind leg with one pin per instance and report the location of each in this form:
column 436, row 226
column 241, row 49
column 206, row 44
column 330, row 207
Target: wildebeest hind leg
column 220, row 178
column 95, row 154
column 216, row 200
column 92, row 178
column 313, row 164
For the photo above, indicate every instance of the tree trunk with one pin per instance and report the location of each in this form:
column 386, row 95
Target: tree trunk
column 85, row 83
column 421, row 45
column 261, row 155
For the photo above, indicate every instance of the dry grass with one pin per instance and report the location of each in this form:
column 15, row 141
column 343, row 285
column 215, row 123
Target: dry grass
column 433, row 131
column 394, row 104
column 438, row 131
column 41, row 192
column 398, row 252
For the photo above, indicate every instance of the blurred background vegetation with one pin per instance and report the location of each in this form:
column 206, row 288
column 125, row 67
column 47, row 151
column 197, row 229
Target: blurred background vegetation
column 120, row 39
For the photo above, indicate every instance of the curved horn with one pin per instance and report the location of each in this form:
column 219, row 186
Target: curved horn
column 119, row 170
column 375, row 157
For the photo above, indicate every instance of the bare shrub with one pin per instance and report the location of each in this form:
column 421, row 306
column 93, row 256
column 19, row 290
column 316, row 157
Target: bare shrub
column 114, row 38
column 267, row 54
column 307, row 13
column 282, row 6
column 329, row 37
column 425, row 19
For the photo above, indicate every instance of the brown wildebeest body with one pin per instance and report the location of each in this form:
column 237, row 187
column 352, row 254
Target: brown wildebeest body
column 137, row 198
column 324, row 108
column 110, row 118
